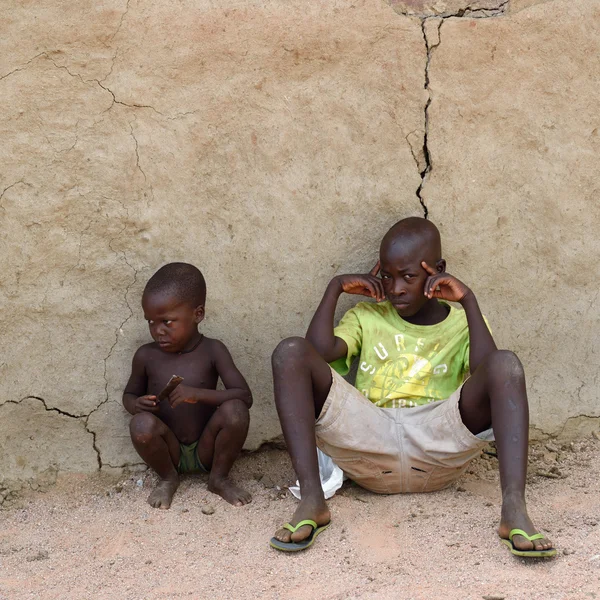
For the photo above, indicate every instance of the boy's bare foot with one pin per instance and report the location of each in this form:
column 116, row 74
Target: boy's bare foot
column 162, row 495
column 314, row 509
column 514, row 516
column 229, row 491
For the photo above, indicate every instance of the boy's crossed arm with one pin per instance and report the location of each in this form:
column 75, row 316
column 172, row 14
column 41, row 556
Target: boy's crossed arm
column 135, row 399
column 236, row 387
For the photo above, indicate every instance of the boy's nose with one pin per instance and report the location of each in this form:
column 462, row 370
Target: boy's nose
column 399, row 289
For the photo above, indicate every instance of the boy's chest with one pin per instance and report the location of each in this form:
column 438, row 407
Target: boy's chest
column 196, row 368
column 408, row 351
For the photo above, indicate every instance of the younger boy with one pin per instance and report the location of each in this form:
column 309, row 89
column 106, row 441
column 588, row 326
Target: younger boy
column 412, row 425
column 197, row 428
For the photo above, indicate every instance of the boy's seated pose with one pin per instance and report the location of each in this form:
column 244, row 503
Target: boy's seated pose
column 197, row 428
column 411, row 424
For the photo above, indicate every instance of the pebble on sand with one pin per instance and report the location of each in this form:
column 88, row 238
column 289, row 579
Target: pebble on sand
column 41, row 555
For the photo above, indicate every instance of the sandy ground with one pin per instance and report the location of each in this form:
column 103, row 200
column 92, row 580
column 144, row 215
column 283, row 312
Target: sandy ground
column 93, row 537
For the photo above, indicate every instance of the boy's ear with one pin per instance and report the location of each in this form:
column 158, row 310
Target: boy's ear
column 440, row 265
column 199, row 314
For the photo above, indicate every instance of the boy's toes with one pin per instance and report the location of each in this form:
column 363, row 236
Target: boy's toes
column 245, row 497
column 229, row 491
column 283, row 535
column 522, row 543
column 543, row 544
column 162, row 495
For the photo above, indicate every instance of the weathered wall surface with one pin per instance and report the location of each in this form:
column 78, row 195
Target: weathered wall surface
column 271, row 144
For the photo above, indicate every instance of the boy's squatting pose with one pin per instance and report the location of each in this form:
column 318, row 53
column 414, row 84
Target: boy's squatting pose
column 197, row 428
column 414, row 352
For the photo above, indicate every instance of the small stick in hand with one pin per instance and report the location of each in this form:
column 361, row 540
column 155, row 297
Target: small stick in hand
column 173, row 383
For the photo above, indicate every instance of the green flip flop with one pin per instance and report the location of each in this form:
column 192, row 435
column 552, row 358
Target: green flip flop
column 527, row 553
column 304, row 544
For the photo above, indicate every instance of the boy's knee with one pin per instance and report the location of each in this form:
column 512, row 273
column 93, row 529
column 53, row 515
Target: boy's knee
column 143, row 428
column 505, row 364
column 235, row 413
column 289, row 350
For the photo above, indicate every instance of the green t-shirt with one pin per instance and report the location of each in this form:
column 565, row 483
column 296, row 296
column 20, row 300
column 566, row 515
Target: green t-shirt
column 402, row 364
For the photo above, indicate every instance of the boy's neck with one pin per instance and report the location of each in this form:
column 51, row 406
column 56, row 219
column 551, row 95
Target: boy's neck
column 193, row 343
column 431, row 313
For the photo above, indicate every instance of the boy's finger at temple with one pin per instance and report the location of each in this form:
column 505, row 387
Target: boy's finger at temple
column 430, row 270
column 375, row 270
column 376, row 288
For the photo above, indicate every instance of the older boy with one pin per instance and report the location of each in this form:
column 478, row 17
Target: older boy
column 412, row 425
column 197, row 428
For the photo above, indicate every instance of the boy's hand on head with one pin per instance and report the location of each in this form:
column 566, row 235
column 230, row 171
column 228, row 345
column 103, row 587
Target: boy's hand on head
column 363, row 285
column 184, row 393
column 146, row 404
column 443, row 285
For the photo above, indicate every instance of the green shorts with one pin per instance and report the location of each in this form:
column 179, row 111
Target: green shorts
column 188, row 459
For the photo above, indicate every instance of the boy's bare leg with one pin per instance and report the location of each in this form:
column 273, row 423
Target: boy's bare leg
column 302, row 382
column 159, row 449
column 495, row 396
column 219, row 446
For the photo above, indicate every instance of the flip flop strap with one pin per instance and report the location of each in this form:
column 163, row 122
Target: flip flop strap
column 535, row 536
column 294, row 528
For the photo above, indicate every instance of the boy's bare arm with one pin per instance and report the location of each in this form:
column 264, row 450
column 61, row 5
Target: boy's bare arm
column 135, row 399
column 320, row 331
column 233, row 380
column 448, row 287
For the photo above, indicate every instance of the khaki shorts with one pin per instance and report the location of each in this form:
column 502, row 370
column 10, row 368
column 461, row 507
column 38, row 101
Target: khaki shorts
column 395, row 450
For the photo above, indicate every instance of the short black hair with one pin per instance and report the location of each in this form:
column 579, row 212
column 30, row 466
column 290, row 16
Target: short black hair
column 185, row 282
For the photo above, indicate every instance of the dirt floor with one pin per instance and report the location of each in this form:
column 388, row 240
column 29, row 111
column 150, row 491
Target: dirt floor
column 94, row 537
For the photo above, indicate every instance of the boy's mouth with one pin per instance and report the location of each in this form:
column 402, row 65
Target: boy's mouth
column 399, row 303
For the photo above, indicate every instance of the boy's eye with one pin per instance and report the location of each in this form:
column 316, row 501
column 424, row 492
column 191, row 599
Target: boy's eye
column 150, row 322
column 409, row 277
column 167, row 322
column 385, row 277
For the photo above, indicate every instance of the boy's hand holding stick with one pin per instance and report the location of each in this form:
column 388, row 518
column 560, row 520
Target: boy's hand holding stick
column 149, row 402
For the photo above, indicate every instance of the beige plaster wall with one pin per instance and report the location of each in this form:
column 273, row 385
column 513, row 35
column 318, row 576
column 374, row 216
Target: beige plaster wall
column 272, row 143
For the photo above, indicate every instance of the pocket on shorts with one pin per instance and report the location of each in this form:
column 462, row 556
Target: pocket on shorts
column 366, row 473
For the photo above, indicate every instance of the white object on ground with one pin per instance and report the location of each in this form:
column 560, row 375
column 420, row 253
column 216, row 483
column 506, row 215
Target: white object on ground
column 331, row 476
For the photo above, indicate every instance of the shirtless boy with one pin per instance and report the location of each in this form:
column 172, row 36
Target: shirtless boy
column 197, row 428
column 412, row 424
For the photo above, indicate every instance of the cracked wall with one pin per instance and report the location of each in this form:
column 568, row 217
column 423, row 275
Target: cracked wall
column 271, row 144
column 258, row 141
column 514, row 145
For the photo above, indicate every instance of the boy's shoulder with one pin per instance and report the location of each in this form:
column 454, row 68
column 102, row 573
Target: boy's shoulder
column 213, row 345
column 145, row 350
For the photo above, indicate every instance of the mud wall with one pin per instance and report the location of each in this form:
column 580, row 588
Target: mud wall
column 272, row 143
